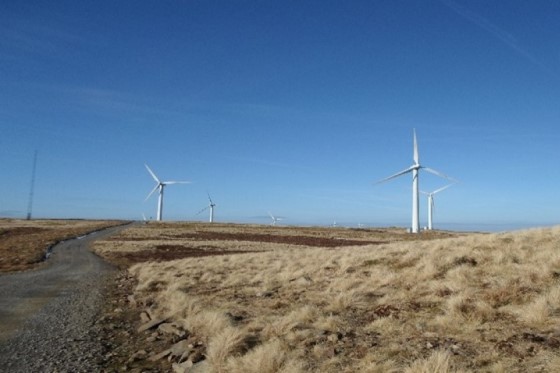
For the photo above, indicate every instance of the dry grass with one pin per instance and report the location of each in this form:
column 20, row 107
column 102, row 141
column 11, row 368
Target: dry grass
column 488, row 303
column 23, row 243
column 166, row 241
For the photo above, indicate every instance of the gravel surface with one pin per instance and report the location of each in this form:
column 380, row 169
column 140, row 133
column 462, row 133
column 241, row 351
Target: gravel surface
column 49, row 316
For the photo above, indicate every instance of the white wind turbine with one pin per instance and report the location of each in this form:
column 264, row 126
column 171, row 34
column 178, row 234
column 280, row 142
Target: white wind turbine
column 274, row 218
column 431, row 204
column 161, row 185
column 415, row 191
column 211, row 207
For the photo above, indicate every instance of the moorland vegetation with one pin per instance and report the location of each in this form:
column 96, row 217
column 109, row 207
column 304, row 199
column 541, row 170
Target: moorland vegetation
column 359, row 300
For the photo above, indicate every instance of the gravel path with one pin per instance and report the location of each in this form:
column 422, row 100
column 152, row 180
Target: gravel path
column 48, row 316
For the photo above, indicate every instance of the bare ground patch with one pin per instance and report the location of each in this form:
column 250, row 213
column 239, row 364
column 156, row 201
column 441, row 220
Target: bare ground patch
column 161, row 253
column 276, row 238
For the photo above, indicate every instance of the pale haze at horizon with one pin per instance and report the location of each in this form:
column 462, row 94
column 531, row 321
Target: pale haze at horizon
column 282, row 107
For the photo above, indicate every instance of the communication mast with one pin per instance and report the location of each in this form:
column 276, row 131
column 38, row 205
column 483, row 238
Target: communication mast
column 30, row 205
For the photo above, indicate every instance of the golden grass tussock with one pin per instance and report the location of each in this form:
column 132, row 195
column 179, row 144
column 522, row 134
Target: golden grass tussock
column 542, row 310
column 283, row 325
column 437, row 362
column 225, row 343
column 478, row 302
column 207, row 323
column 269, row 357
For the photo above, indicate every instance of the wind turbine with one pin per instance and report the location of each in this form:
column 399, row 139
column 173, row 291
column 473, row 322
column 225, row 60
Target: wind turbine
column 274, row 218
column 431, row 204
column 211, row 207
column 161, row 185
column 415, row 168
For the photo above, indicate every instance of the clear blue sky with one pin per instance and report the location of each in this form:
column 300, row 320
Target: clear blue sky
column 291, row 107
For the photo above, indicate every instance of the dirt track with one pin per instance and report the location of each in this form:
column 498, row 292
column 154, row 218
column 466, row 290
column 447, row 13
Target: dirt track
column 48, row 316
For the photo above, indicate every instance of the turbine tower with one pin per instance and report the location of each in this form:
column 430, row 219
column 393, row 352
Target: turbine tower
column 414, row 169
column 211, row 207
column 431, row 204
column 161, row 185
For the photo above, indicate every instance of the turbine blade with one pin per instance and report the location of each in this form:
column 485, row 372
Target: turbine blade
column 175, row 182
column 152, row 192
column 201, row 211
column 152, row 173
column 440, row 174
column 440, row 189
column 210, row 199
column 416, row 157
column 396, row 175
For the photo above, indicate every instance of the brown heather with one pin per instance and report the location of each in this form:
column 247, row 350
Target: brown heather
column 396, row 303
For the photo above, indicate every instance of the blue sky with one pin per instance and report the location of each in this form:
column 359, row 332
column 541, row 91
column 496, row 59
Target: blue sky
column 291, row 107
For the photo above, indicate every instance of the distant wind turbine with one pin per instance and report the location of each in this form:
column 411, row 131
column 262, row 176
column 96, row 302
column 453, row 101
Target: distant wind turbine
column 415, row 191
column 431, row 204
column 161, row 185
column 274, row 218
column 211, row 207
